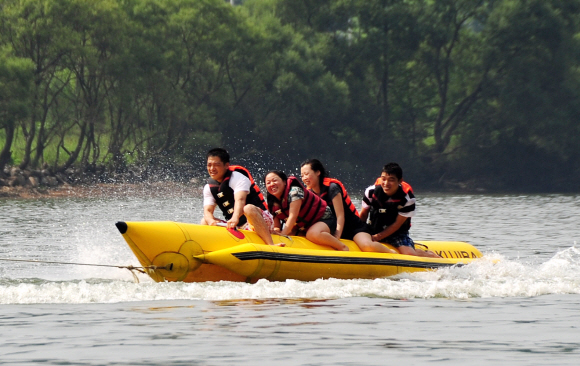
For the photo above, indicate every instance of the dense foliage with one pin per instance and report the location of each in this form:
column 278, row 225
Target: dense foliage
column 462, row 93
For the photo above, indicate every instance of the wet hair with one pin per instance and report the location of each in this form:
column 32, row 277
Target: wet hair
column 220, row 153
column 280, row 174
column 317, row 166
column 393, row 169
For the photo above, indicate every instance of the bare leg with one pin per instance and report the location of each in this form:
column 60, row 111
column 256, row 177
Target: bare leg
column 319, row 233
column 366, row 244
column 427, row 253
column 418, row 253
column 254, row 216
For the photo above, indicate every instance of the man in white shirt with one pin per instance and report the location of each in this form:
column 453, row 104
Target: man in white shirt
column 234, row 191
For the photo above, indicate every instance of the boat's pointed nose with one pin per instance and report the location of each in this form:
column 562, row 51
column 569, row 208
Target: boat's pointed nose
column 163, row 244
column 122, row 226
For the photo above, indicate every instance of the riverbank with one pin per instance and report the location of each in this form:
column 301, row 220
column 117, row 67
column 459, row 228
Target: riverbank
column 157, row 189
column 39, row 183
column 168, row 181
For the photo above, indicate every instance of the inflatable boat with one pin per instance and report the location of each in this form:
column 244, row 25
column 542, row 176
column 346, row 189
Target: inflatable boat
column 172, row 251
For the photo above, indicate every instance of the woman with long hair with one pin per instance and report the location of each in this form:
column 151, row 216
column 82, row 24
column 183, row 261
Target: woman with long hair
column 300, row 210
column 332, row 191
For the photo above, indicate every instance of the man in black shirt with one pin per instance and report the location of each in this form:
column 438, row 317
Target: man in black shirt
column 391, row 207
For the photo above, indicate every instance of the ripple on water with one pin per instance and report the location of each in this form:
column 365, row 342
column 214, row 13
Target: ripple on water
column 521, row 310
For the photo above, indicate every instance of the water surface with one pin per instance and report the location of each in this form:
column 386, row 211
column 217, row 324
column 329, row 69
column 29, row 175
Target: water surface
column 523, row 310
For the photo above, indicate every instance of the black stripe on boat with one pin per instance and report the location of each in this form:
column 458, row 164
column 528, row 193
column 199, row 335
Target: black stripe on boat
column 246, row 256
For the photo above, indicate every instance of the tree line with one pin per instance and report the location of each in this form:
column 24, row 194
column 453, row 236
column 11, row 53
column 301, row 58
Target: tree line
column 462, row 93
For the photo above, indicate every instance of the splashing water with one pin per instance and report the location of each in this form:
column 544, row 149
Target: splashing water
column 492, row 276
column 519, row 262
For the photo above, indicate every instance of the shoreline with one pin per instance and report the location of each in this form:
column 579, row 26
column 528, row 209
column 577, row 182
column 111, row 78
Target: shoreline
column 16, row 183
column 38, row 184
column 164, row 189
column 100, row 190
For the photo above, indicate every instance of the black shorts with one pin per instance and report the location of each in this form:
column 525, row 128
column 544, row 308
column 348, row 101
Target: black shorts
column 353, row 228
column 331, row 223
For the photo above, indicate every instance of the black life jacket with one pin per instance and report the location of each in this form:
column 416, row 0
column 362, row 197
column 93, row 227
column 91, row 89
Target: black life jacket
column 311, row 210
column 224, row 194
column 384, row 213
column 351, row 215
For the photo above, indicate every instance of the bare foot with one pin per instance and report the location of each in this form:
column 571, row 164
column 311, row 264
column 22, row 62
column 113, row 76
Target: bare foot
column 432, row 254
column 278, row 245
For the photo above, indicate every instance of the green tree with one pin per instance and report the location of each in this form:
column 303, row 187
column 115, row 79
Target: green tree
column 530, row 117
column 36, row 30
column 301, row 105
column 15, row 84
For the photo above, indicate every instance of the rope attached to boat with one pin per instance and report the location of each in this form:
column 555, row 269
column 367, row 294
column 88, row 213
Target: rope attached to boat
column 130, row 268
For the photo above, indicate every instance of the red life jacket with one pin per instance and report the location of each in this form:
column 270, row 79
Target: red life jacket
column 346, row 201
column 311, row 210
column 224, row 194
column 406, row 186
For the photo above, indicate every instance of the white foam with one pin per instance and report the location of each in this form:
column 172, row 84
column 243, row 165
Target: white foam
column 481, row 279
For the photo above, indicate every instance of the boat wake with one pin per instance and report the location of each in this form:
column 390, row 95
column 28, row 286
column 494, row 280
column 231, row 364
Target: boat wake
column 492, row 276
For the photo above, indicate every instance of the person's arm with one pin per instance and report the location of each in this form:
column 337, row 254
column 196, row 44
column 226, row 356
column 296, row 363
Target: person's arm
column 241, row 186
column 239, row 203
column 292, row 217
column 209, row 205
column 208, row 215
column 366, row 204
column 364, row 214
column 339, row 211
column 390, row 230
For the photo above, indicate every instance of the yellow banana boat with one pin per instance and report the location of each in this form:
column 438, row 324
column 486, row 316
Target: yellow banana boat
column 173, row 251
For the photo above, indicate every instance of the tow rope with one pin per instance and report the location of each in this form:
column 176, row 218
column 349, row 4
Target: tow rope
column 131, row 269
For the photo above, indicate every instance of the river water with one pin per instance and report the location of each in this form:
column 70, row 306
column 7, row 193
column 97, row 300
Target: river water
column 523, row 310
